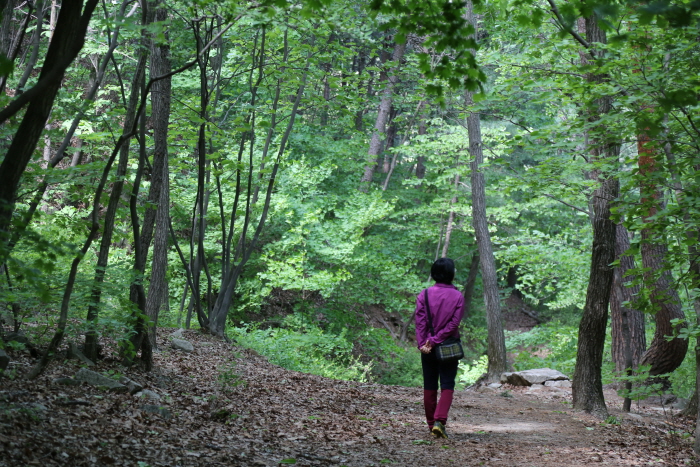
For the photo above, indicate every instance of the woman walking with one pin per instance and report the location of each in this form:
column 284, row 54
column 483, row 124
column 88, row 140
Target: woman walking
column 446, row 309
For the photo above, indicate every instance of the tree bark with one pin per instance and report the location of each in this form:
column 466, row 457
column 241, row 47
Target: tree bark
column 375, row 144
column 587, row 387
column 160, row 190
column 422, row 130
column 496, row 346
column 470, row 282
column 663, row 355
column 620, row 313
column 8, row 13
column 35, row 46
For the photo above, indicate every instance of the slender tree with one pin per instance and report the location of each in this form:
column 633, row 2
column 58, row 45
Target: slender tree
column 375, row 144
column 496, row 344
column 587, row 385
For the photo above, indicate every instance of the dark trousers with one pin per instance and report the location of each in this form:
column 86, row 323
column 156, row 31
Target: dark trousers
column 435, row 370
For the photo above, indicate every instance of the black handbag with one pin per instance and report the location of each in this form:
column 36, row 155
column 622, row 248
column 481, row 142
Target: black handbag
column 451, row 348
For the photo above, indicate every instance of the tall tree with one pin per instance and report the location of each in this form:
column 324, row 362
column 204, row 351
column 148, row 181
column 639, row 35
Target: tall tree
column 375, row 144
column 664, row 354
column 587, row 385
column 496, row 345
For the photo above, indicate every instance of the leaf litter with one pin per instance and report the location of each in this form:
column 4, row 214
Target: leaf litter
column 230, row 407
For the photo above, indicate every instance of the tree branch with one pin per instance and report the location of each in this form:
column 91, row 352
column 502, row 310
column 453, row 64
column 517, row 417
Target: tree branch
column 568, row 29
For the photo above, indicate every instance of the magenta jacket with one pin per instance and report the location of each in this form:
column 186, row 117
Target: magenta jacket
column 446, row 309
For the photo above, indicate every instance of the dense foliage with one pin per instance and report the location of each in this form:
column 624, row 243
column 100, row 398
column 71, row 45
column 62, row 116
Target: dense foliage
column 272, row 111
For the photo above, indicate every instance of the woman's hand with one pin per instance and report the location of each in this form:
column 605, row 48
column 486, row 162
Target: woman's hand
column 427, row 347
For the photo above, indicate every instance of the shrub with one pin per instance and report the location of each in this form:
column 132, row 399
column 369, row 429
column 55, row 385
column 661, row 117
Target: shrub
column 303, row 346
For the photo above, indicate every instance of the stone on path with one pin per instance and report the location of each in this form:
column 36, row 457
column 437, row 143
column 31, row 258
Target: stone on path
column 178, row 334
column 75, row 353
column 133, row 386
column 530, row 377
column 558, row 384
column 97, row 380
column 67, row 381
column 182, row 344
column 148, row 394
column 158, row 410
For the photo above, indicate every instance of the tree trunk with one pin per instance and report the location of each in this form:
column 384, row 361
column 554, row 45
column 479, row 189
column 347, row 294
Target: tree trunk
column 8, row 13
column 67, row 41
column 496, row 346
column 587, row 385
column 375, row 144
column 137, row 294
column 470, row 282
column 91, row 337
column 35, row 46
column 160, row 105
column 217, row 321
column 620, row 294
column 663, row 355
column 422, row 130
column 12, row 47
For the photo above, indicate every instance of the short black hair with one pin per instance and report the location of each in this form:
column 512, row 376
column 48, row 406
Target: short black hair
column 443, row 271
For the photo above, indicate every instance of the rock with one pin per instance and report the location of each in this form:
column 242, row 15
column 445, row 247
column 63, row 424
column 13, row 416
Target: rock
column 75, row 353
column 178, row 334
column 7, row 318
column 680, row 404
column 18, row 337
column 182, row 344
column 158, row 410
column 558, row 384
column 147, row 394
column 488, row 389
column 96, row 379
column 4, row 361
column 67, row 381
column 495, row 385
column 530, row 377
column 133, row 386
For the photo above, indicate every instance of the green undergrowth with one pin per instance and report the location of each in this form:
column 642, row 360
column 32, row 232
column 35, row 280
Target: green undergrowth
column 369, row 354
column 301, row 345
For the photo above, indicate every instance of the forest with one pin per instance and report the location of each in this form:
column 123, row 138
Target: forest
column 280, row 175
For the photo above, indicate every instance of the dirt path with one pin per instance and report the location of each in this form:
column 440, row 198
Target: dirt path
column 235, row 409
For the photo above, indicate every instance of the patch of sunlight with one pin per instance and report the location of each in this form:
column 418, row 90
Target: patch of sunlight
column 510, row 426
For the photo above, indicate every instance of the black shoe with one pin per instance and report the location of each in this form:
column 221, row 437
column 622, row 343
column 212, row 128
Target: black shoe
column 439, row 430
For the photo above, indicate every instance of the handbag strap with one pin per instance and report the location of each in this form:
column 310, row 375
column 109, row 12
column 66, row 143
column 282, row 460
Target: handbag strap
column 427, row 307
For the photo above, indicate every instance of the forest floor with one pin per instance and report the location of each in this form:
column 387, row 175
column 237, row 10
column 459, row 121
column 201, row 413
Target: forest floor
column 226, row 406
